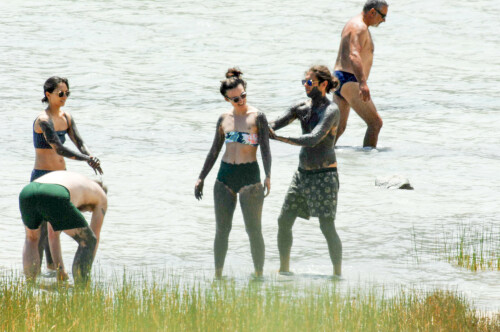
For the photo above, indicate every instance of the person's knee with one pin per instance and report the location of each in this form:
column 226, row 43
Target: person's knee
column 32, row 237
column 285, row 222
column 327, row 225
column 89, row 240
column 253, row 231
column 376, row 124
column 223, row 231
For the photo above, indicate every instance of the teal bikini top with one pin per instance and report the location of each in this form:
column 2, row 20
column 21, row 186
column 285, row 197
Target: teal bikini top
column 243, row 138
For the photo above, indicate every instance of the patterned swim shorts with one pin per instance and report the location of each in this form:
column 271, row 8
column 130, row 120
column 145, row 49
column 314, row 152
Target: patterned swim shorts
column 313, row 193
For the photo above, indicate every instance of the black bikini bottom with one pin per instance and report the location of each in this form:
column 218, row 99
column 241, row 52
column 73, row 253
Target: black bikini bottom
column 237, row 176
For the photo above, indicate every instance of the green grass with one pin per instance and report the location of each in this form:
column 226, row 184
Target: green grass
column 474, row 247
column 136, row 303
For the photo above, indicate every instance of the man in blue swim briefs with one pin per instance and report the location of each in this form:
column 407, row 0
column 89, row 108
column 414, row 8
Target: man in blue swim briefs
column 352, row 68
column 59, row 196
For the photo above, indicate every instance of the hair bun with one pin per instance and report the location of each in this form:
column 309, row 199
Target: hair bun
column 234, row 72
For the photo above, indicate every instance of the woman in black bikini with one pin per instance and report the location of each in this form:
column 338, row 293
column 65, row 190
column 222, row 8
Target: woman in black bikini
column 243, row 128
column 49, row 134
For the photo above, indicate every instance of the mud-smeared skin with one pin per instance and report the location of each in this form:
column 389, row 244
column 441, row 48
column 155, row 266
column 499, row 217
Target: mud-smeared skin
column 75, row 137
column 225, row 203
column 43, row 245
column 265, row 151
column 51, row 137
column 84, row 254
column 251, row 202
column 251, row 199
column 211, row 156
column 327, row 226
column 319, row 119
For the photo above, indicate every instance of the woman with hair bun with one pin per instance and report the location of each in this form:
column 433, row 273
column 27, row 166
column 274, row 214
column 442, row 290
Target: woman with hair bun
column 49, row 134
column 243, row 129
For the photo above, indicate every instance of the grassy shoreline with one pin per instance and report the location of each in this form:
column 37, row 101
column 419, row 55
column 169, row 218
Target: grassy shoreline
column 135, row 303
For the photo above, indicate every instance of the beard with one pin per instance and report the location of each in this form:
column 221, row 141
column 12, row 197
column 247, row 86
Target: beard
column 314, row 93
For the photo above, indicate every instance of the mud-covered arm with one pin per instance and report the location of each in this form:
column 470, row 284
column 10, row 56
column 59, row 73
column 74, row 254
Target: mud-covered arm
column 75, row 137
column 51, row 137
column 263, row 127
column 73, row 133
column 284, row 120
column 211, row 159
column 324, row 126
column 214, row 150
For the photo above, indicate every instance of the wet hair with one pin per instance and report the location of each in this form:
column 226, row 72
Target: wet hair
column 233, row 79
column 51, row 84
column 322, row 73
column 377, row 4
column 102, row 185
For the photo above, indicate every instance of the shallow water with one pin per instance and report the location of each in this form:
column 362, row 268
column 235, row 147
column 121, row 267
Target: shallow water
column 144, row 77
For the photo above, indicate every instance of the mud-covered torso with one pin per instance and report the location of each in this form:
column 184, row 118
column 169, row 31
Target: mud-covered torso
column 322, row 155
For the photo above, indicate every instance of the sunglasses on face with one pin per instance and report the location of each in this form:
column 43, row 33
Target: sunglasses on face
column 237, row 99
column 62, row 93
column 381, row 15
column 308, row 82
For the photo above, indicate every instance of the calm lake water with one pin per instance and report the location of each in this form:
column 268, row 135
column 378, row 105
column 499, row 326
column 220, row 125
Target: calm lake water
column 144, row 77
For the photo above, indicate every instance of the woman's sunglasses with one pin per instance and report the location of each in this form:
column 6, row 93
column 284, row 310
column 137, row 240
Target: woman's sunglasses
column 308, row 82
column 62, row 93
column 237, row 99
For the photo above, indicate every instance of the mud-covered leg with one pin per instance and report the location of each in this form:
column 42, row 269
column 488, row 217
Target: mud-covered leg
column 327, row 226
column 84, row 254
column 285, row 238
column 31, row 253
column 225, row 203
column 43, row 245
column 251, row 202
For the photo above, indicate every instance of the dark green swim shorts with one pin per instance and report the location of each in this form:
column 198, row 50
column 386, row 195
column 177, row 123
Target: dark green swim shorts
column 40, row 202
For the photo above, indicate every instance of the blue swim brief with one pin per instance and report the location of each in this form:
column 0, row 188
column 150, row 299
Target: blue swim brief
column 343, row 77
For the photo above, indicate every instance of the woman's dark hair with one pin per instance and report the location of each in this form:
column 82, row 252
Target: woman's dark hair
column 51, row 84
column 233, row 79
column 322, row 73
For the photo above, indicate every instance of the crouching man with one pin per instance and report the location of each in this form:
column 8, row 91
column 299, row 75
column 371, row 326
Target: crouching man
column 59, row 197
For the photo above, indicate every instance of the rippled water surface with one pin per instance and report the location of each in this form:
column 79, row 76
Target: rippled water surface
column 144, row 77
